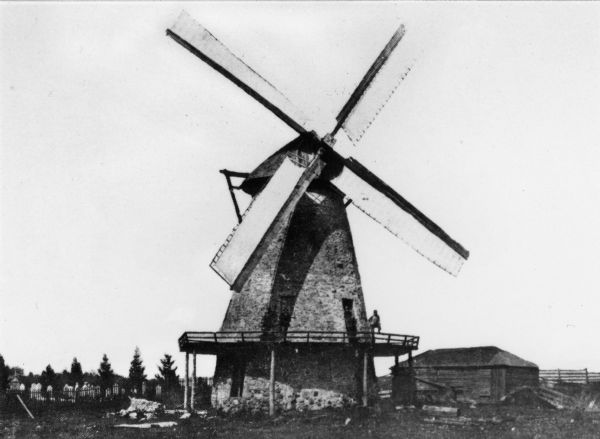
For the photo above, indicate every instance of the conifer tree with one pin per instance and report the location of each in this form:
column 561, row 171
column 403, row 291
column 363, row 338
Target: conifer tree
column 48, row 377
column 168, row 374
column 76, row 374
column 136, row 371
column 106, row 373
column 4, row 374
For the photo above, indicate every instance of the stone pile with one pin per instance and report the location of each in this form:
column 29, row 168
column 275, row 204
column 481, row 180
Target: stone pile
column 317, row 399
column 142, row 409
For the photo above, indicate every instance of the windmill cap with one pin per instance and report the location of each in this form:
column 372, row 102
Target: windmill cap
column 301, row 149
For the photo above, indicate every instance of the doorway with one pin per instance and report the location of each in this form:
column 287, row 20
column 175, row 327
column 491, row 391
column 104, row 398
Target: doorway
column 286, row 309
column 237, row 377
column 349, row 319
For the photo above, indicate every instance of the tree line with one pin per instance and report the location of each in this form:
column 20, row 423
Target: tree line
column 104, row 376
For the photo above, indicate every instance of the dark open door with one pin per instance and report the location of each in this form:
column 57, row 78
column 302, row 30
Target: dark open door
column 349, row 318
column 286, row 309
column 237, row 377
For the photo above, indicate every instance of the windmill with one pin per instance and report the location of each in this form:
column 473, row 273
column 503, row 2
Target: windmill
column 290, row 262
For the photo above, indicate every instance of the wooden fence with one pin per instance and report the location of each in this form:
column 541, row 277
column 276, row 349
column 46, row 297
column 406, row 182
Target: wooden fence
column 200, row 381
column 37, row 400
column 578, row 376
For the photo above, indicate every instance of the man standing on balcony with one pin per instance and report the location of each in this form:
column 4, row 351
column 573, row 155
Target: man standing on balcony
column 375, row 322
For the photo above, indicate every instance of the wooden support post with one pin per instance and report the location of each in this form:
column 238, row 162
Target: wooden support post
column 272, row 384
column 193, row 381
column 365, row 379
column 396, row 359
column 411, row 371
column 186, row 381
column 587, row 377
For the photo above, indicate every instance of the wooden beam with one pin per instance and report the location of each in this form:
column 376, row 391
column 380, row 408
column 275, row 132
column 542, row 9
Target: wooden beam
column 232, row 67
column 192, row 398
column 186, row 382
column 229, row 173
column 272, row 384
column 25, row 407
column 365, row 392
column 231, row 187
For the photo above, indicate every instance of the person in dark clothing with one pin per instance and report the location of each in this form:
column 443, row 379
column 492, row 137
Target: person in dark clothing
column 375, row 322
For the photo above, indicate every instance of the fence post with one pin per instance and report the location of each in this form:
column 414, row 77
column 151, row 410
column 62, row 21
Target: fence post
column 558, row 374
column 587, row 377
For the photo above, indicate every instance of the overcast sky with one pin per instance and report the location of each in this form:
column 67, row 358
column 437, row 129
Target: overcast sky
column 112, row 136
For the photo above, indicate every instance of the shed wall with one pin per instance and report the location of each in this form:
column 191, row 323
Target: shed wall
column 521, row 376
column 472, row 383
column 481, row 384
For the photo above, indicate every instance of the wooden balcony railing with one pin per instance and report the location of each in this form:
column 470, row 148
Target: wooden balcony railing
column 189, row 339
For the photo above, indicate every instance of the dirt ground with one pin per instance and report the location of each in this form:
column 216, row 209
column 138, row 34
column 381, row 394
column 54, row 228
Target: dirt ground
column 485, row 422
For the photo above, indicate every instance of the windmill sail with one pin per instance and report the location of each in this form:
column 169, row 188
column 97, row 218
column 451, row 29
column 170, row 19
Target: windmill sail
column 374, row 91
column 397, row 215
column 268, row 214
column 368, row 78
column 198, row 40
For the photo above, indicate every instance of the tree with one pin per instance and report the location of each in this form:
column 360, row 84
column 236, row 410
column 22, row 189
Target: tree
column 48, row 377
column 63, row 378
column 4, row 374
column 76, row 372
column 136, row 371
column 106, row 373
column 168, row 374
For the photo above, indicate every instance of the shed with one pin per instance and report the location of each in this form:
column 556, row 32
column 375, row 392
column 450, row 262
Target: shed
column 483, row 374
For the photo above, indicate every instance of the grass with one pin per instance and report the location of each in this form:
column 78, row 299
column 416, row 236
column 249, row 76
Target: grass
column 516, row 422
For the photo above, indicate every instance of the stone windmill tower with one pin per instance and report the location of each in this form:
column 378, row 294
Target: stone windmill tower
column 296, row 328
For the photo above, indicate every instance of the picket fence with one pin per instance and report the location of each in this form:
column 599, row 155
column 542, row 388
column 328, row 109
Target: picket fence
column 208, row 381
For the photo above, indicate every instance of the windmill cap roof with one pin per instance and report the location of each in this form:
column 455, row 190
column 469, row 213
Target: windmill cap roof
column 268, row 167
column 301, row 150
column 473, row 356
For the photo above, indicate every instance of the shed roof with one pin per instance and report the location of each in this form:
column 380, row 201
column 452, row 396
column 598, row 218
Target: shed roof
column 475, row 356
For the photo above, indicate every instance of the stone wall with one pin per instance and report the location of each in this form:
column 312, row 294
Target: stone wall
column 309, row 379
column 310, row 266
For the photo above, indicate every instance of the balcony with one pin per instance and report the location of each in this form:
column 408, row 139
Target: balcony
column 380, row 344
